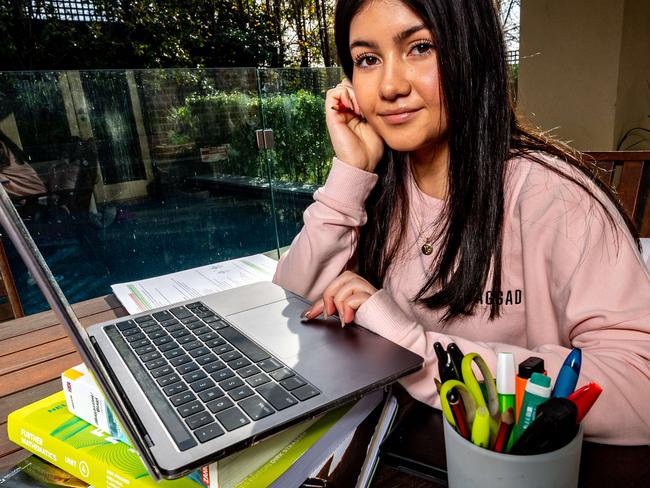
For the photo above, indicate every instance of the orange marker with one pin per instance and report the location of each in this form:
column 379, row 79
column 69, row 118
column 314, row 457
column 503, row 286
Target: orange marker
column 526, row 369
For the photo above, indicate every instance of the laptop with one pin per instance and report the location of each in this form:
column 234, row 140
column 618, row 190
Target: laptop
column 198, row 380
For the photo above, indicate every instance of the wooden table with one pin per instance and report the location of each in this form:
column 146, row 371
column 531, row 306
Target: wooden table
column 35, row 350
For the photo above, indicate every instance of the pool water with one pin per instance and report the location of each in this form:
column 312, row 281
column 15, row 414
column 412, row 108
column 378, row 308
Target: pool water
column 155, row 237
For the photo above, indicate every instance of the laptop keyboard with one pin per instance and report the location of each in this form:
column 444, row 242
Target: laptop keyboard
column 203, row 376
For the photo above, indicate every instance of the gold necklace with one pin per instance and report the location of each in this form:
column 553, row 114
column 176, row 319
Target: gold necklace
column 427, row 247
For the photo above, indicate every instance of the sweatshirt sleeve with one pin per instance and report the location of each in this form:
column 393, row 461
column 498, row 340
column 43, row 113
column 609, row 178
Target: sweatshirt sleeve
column 589, row 288
column 328, row 239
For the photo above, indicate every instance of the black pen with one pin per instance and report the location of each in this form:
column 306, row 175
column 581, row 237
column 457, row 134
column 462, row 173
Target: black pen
column 456, row 357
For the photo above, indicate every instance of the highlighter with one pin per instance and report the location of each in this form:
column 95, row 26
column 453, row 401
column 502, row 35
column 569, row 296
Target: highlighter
column 568, row 376
column 481, row 428
column 538, row 390
column 584, row 398
column 526, row 369
column 506, row 381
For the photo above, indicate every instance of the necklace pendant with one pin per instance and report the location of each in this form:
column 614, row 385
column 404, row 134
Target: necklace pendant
column 426, row 248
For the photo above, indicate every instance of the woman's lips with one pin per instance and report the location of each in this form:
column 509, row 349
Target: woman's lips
column 396, row 117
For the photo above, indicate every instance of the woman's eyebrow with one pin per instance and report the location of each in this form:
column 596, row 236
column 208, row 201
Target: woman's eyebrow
column 405, row 34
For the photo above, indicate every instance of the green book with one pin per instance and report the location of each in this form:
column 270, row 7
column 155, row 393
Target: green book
column 49, row 430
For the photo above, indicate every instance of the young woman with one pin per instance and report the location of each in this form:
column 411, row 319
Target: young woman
column 443, row 219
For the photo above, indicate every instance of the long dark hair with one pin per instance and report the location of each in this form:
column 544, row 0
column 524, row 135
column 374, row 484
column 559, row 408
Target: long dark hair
column 483, row 133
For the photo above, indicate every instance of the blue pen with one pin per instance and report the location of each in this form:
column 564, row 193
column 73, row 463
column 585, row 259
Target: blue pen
column 568, row 377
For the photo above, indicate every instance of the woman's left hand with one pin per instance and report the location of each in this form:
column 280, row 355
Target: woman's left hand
column 343, row 295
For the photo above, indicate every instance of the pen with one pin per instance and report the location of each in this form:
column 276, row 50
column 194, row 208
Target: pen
column 526, row 369
column 458, row 412
column 456, row 357
column 584, row 398
column 568, row 376
column 505, row 429
column 341, row 108
column 506, row 381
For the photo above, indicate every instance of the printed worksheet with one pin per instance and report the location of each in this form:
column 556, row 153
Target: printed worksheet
column 143, row 295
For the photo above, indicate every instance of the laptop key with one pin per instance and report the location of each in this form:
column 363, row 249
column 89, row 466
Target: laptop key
column 231, row 383
column 211, row 394
column 162, row 371
column 270, row 364
column 174, row 353
column 164, row 339
column 201, row 385
column 170, row 323
column 154, row 363
column 163, row 315
column 190, row 408
column 187, row 367
column 239, row 363
column 248, row 371
column 208, row 358
column 151, row 356
column 293, row 383
column 222, row 374
column 180, row 360
column 127, row 324
column 190, row 320
column 220, row 404
column 192, row 345
column 168, row 380
column 232, row 419
column 185, row 339
column 180, row 333
column 180, row 312
column 209, row 432
column 239, row 393
column 144, row 318
column 198, row 420
column 193, row 305
column 254, row 352
column 212, row 343
column 148, row 323
column 215, row 324
column 167, row 346
column 210, row 319
column 141, row 343
column 255, row 407
column 213, row 366
column 181, row 398
column 281, row 374
column 158, row 334
column 201, row 330
column 229, row 356
column 277, row 396
column 149, row 348
column 175, row 388
column 208, row 336
column 135, row 337
column 224, row 348
column 194, row 375
column 199, row 352
column 175, row 327
column 151, row 329
column 130, row 332
column 257, row 380
column 305, row 392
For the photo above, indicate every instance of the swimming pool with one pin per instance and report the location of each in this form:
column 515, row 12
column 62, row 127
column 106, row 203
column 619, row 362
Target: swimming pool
column 154, row 237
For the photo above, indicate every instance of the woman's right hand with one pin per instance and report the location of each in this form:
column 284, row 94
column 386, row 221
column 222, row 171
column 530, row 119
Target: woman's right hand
column 354, row 141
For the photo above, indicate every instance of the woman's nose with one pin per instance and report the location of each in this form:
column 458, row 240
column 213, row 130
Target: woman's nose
column 395, row 81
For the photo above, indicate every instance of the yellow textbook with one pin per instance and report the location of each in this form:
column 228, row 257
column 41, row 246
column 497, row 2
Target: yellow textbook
column 50, row 431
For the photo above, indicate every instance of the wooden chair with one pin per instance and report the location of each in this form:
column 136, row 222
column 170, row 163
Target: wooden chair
column 10, row 306
column 628, row 172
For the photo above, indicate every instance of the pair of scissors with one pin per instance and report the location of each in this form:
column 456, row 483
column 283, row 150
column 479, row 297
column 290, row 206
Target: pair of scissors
column 482, row 413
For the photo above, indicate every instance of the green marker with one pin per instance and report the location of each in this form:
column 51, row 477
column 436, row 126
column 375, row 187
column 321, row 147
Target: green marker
column 506, row 381
column 538, row 390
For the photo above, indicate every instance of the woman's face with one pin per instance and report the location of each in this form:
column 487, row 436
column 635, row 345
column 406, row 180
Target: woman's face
column 395, row 76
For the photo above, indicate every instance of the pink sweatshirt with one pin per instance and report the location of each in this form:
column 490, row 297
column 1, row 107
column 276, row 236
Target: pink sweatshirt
column 569, row 280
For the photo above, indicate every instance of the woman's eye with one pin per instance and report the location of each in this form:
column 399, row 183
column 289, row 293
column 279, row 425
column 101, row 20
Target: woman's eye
column 365, row 60
column 422, row 48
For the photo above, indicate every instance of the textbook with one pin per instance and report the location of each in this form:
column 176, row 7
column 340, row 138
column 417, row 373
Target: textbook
column 49, row 430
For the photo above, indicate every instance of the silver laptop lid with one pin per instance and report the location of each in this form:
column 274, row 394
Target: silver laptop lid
column 33, row 259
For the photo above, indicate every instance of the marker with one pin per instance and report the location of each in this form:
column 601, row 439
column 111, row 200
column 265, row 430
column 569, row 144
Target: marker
column 458, row 412
column 456, row 357
column 538, row 390
column 506, row 381
column 568, row 376
column 584, row 398
column 554, row 427
column 526, row 369
column 481, row 428
column 505, row 429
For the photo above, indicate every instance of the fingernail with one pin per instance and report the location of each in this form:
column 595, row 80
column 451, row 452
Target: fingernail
column 304, row 317
column 342, row 322
column 325, row 314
